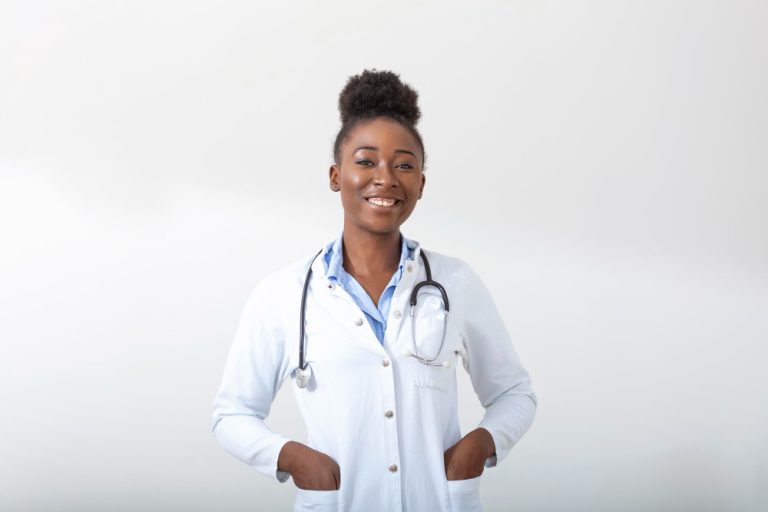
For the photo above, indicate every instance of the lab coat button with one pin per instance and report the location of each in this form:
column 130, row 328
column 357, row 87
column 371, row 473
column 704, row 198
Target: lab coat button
column 359, row 322
column 393, row 467
column 409, row 268
column 385, row 363
column 398, row 315
column 389, row 414
column 331, row 286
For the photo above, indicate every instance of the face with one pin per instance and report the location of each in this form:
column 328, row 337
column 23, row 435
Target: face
column 380, row 175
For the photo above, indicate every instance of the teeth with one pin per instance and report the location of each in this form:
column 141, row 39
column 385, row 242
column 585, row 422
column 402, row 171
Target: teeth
column 381, row 202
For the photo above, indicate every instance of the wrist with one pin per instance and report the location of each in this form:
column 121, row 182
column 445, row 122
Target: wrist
column 287, row 456
column 489, row 446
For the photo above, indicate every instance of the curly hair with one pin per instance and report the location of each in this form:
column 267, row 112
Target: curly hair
column 374, row 94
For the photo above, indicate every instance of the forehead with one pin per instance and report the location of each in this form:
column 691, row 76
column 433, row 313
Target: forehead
column 382, row 133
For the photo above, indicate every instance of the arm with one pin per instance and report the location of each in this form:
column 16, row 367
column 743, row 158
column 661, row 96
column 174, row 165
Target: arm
column 256, row 367
column 501, row 383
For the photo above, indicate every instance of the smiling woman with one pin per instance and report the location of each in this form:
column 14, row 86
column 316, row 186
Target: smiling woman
column 379, row 398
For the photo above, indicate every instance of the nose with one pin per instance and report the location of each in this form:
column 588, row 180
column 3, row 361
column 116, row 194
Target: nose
column 384, row 176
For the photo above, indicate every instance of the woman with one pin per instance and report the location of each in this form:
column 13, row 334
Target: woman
column 376, row 386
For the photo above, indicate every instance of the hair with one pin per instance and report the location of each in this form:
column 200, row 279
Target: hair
column 373, row 94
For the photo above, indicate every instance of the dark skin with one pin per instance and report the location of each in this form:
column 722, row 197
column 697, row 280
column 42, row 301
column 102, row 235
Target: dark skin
column 379, row 159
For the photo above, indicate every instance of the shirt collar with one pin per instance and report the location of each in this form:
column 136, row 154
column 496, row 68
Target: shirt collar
column 334, row 258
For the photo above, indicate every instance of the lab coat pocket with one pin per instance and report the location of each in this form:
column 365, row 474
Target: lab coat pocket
column 426, row 323
column 433, row 377
column 316, row 501
column 426, row 329
column 464, row 495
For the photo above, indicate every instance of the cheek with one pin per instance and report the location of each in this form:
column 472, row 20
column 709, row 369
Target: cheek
column 346, row 197
column 414, row 189
column 350, row 198
column 352, row 183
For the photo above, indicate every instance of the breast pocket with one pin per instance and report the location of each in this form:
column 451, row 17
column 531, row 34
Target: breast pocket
column 426, row 328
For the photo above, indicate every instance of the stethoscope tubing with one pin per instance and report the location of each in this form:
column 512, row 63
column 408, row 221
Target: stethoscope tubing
column 302, row 317
column 304, row 374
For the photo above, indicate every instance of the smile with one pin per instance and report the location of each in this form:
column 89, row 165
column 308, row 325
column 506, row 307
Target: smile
column 386, row 203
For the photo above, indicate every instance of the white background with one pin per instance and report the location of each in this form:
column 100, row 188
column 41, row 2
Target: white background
column 602, row 165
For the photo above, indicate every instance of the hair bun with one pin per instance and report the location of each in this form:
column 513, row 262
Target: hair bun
column 378, row 93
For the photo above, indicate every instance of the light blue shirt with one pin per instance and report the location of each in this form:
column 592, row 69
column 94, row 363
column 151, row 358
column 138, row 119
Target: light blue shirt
column 377, row 316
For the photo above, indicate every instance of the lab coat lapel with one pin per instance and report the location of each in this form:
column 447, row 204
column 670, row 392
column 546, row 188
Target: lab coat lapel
column 394, row 340
column 344, row 310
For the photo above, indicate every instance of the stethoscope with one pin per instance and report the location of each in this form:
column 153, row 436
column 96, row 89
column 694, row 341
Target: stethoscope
column 304, row 371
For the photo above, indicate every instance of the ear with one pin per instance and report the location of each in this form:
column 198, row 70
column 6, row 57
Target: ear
column 423, row 181
column 333, row 175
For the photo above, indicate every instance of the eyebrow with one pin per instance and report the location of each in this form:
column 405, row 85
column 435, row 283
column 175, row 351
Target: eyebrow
column 374, row 148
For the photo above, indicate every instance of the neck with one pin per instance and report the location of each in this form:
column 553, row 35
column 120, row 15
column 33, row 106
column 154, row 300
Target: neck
column 370, row 254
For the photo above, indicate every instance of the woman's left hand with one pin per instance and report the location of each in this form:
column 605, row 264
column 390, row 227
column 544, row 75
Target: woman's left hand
column 466, row 459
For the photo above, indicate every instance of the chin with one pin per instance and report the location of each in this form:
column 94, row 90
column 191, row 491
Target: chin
column 379, row 225
column 380, row 229
column 384, row 230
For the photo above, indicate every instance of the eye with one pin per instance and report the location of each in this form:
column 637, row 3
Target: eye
column 364, row 161
column 406, row 166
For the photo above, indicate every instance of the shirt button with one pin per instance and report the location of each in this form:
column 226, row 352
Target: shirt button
column 389, row 414
column 359, row 322
column 385, row 362
column 398, row 315
column 393, row 467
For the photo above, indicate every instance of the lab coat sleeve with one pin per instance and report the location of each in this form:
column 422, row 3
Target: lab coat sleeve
column 256, row 367
column 500, row 381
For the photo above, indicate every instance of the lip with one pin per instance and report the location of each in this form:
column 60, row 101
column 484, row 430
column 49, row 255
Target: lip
column 398, row 202
column 382, row 196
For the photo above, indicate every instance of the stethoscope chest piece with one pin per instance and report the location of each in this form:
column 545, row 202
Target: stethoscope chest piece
column 303, row 376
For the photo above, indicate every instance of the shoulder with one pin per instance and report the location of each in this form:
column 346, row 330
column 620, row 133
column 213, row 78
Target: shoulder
column 449, row 267
column 467, row 288
column 280, row 282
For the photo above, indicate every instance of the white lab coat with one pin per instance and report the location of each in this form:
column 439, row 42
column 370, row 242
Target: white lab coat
column 383, row 416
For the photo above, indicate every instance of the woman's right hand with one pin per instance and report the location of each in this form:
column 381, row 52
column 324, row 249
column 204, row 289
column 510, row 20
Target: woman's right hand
column 309, row 468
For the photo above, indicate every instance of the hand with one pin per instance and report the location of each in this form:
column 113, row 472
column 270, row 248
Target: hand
column 466, row 459
column 310, row 469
